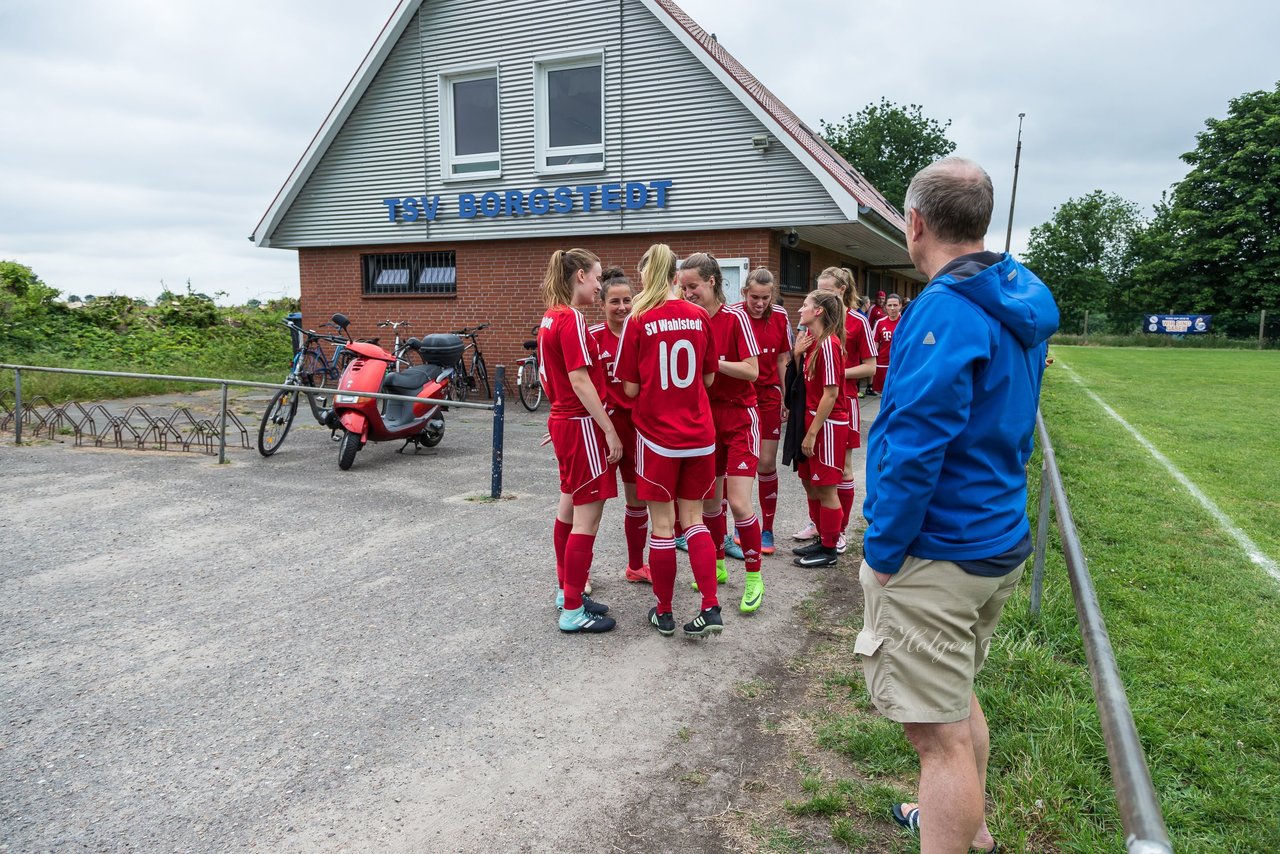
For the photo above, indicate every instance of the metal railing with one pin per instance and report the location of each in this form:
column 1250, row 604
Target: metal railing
column 1140, row 813
column 498, row 407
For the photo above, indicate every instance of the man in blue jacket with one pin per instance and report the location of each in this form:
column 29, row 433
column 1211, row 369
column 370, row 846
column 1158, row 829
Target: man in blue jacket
column 947, row 533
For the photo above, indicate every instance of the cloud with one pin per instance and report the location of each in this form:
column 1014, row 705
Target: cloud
column 143, row 141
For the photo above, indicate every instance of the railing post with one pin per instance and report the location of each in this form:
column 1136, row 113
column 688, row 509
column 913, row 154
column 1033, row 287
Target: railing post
column 1042, row 542
column 222, row 434
column 17, row 406
column 499, row 421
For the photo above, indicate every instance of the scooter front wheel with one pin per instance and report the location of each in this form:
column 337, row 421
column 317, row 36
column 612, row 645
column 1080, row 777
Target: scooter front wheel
column 347, row 449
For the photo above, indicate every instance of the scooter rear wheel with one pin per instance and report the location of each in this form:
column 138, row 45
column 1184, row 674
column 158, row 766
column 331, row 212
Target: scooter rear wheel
column 347, row 449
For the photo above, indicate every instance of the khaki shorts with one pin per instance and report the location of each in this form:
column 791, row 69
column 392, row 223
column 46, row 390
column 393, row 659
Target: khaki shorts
column 925, row 636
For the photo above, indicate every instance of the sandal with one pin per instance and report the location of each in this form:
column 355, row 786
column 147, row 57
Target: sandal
column 910, row 819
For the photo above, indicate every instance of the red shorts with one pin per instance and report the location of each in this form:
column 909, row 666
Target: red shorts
column 769, row 406
column 626, row 428
column 665, row 478
column 582, row 453
column 826, row 466
column 737, row 440
column 853, row 438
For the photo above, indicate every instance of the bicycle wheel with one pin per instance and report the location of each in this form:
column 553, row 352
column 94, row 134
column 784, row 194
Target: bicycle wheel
column 528, row 387
column 313, row 371
column 461, row 382
column 480, row 375
column 276, row 421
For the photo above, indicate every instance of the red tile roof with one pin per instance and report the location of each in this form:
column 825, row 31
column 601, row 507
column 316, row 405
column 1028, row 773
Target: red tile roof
column 848, row 177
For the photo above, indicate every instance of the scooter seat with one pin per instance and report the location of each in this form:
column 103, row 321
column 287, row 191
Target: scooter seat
column 407, row 381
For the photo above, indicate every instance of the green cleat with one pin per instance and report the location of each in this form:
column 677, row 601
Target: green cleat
column 722, row 575
column 752, row 593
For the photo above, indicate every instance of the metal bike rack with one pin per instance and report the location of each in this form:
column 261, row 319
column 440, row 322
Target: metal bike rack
column 137, row 428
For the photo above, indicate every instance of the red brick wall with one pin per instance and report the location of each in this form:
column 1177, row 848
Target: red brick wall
column 499, row 282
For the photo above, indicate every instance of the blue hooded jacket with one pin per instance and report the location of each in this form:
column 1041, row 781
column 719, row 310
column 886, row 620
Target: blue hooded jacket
column 947, row 454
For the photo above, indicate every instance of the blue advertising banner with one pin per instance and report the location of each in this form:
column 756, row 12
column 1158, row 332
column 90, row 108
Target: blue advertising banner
column 1177, row 324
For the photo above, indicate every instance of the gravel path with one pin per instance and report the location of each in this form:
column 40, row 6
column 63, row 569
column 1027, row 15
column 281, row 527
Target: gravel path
column 275, row 655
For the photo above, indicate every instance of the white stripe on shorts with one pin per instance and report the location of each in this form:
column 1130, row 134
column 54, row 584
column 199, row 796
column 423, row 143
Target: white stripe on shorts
column 595, row 461
column 755, row 430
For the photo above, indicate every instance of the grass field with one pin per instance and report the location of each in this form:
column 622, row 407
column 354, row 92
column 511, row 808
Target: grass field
column 1195, row 627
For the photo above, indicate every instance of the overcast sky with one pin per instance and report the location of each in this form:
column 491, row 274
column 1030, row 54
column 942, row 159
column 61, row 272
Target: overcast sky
column 142, row 140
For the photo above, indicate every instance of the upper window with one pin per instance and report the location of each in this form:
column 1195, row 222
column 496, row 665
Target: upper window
column 794, row 270
column 570, row 114
column 410, row 273
column 469, row 125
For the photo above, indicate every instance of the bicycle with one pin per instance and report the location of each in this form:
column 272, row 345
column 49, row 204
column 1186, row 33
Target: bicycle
column 311, row 368
column 528, row 379
column 476, row 376
column 398, row 349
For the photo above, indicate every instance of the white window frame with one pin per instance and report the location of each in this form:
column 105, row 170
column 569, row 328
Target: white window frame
column 448, row 160
column 542, row 130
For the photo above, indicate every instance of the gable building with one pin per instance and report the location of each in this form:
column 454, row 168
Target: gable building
column 478, row 136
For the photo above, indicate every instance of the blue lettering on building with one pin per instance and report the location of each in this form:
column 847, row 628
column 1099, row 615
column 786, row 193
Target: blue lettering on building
column 540, row 201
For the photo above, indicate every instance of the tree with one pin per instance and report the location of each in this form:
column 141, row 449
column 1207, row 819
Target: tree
column 889, row 144
column 1215, row 244
column 1085, row 254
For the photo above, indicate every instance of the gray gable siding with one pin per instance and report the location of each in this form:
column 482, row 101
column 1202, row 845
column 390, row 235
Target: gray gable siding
column 666, row 117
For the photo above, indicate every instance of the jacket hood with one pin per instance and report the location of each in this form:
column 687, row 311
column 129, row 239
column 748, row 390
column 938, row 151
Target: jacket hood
column 1013, row 295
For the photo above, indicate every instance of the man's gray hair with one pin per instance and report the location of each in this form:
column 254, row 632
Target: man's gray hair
column 955, row 198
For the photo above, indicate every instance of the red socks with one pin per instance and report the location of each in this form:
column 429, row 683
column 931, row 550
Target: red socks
column 749, row 538
column 662, row 569
column 577, row 564
column 828, row 526
column 847, row 490
column 702, row 559
column 560, row 536
column 768, row 500
column 815, row 508
column 716, row 527
column 636, row 526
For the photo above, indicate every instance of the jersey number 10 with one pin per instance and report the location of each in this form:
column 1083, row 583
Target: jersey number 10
column 668, row 368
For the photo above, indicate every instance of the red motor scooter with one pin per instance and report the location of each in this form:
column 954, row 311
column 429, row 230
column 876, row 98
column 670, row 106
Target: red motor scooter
column 369, row 419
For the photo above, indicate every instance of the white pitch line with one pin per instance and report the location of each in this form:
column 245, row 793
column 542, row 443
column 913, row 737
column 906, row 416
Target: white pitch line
column 1250, row 547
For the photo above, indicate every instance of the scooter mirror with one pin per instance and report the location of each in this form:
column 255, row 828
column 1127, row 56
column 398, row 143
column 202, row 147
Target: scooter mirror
column 340, row 320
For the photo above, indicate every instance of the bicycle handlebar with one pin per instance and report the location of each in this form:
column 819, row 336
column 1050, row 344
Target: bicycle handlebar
column 470, row 331
column 317, row 336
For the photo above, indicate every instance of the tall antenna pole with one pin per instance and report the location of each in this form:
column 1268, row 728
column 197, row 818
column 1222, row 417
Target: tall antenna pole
column 1017, row 158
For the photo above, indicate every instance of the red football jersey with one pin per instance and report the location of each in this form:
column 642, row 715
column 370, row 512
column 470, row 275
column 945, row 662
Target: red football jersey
column 734, row 342
column 875, row 313
column 666, row 351
column 883, row 338
column 858, row 347
column 564, row 346
column 773, row 335
column 828, row 370
column 607, row 345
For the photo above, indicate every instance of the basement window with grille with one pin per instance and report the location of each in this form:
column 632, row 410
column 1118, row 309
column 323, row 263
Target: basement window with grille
column 410, row 274
column 793, row 274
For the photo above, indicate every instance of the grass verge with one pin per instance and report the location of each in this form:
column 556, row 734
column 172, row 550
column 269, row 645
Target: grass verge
column 1193, row 623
